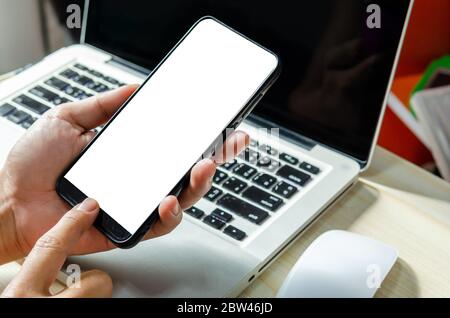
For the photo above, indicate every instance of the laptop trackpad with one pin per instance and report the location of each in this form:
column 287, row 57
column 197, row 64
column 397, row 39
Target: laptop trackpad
column 189, row 262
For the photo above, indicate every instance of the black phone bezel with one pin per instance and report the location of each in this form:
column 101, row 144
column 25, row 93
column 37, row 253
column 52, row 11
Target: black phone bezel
column 106, row 224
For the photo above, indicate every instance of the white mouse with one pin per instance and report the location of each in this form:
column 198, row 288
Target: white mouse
column 339, row 264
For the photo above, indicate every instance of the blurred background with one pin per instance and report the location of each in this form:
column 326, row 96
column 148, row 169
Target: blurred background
column 31, row 29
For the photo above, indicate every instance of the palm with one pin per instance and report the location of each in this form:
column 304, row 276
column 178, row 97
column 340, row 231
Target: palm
column 52, row 143
column 33, row 166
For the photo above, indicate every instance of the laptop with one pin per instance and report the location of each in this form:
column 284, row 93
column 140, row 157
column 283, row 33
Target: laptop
column 338, row 61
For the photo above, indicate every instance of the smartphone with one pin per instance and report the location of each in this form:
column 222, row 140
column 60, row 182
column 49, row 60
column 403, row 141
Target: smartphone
column 210, row 81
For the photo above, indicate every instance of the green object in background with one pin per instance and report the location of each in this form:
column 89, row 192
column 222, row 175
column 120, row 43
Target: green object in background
column 443, row 62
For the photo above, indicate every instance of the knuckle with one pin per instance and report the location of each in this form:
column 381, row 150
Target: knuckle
column 103, row 277
column 104, row 283
column 57, row 112
column 49, row 242
column 71, row 217
column 17, row 291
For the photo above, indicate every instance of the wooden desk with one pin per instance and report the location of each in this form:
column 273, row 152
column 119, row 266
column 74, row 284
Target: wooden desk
column 395, row 202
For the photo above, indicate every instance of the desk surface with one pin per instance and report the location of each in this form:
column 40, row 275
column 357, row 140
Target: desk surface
column 395, row 202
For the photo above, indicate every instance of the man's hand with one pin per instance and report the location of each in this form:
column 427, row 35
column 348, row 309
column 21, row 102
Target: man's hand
column 27, row 181
column 47, row 257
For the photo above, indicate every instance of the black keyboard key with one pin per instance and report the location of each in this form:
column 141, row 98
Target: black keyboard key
column 95, row 73
column 219, row 176
column 69, row 90
column 76, row 92
column 235, row 185
column 242, row 208
column 268, row 164
column 6, row 109
column 91, row 85
column 244, row 170
column 309, row 167
column 229, row 165
column 111, row 80
column 82, row 80
column 100, row 88
column 284, row 189
column 57, row 83
column 43, row 93
column 84, row 96
column 289, row 159
column 214, row 222
column 60, row 100
column 213, row 194
column 263, row 198
column 28, row 122
column 234, row 233
column 222, row 215
column 294, row 175
column 18, row 116
column 81, row 67
column 249, row 155
column 195, row 212
column 264, row 161
column 70, row 74
column 265, row 180
column 31, row 104
column 268, row 150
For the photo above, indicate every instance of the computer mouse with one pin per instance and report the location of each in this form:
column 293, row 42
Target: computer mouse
column 340, row 264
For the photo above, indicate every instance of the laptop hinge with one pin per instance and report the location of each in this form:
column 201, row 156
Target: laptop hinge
column 127, row 66
column 298, row 139
column 293, row 137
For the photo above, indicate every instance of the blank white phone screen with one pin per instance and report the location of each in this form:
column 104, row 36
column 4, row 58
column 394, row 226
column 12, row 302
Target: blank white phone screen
column 171, row 121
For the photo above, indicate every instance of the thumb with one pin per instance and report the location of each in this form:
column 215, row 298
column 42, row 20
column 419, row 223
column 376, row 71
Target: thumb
column 46, row 258
column 93, row 284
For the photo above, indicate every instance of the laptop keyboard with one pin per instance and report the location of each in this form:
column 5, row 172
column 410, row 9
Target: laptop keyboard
column 251, row 188
column 72, row 83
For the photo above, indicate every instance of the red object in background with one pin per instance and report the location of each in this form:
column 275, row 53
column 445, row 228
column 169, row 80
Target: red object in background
column 395, row 135
column 427, row 38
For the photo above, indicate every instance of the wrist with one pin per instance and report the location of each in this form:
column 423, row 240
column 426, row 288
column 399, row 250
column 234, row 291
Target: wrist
column 9, row 248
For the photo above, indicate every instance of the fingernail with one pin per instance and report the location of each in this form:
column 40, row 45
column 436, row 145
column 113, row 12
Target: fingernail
column 177, row 210
column 88, row 205
column 209, row 162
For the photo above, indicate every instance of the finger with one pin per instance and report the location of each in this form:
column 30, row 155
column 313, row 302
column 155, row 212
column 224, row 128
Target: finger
column 199, row 184
column 233, row 145
column 203, row 172
column 92, row 284
column 87, row 137
column 170, row 215
column 46, row 258
column 96, row 110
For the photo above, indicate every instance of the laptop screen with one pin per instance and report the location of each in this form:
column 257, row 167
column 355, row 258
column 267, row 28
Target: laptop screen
column 337, row 56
